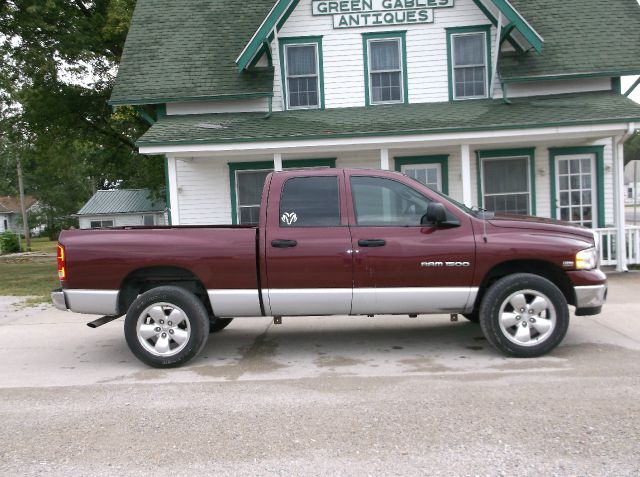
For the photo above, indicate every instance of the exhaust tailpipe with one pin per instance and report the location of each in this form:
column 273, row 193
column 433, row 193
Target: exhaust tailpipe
column 102, row 321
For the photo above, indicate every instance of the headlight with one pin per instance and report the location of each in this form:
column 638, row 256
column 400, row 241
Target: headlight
column 587, row 259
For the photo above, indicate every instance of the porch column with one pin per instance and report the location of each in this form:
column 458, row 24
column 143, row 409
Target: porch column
column 277, row 161
column 172, row 178
column 384, row 159
column 618, row 204
column 465, row 160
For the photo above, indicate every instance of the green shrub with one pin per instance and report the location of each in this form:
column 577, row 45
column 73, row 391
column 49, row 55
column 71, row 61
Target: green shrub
column 9, row 242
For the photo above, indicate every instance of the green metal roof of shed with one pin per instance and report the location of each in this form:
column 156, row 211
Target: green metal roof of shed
column 397, row 119
column 121, row 201
column 581, row 37
column 185, row 50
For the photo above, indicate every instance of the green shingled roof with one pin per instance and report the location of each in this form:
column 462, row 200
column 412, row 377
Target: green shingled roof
column 580, row 37
column 472, row 115
column 121, row 201
column 186, row 49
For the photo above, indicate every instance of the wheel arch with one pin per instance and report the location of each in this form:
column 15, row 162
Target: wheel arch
column 542, row 268
column 144, row 279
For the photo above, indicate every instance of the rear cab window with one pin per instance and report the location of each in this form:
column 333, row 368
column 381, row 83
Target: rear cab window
column 310, row 201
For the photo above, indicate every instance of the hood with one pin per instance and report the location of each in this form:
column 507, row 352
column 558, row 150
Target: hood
column 540, row 223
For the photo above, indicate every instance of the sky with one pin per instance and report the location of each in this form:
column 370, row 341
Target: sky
column 626, row 82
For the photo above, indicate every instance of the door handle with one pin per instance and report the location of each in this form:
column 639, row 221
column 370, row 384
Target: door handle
column 283, row 243
column 372, row 243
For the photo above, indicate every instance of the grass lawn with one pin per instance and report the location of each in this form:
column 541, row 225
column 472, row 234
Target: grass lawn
column 43, row 244
column 35, row 278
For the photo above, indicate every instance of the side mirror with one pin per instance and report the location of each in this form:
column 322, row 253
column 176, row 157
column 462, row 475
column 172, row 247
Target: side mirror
column 435, row 215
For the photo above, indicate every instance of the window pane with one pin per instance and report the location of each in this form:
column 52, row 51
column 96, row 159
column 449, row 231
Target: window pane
column 505, row 175
column 469, row 49
column 107, row 223
column 250, row 215
column 385, row 87
column 310, row 201
column 384, row 55
column 303, row 92
column 95, row 224
column 250, row 185
column 470, row 81
column 301, row 60
column 380, row 202
column 148, row 220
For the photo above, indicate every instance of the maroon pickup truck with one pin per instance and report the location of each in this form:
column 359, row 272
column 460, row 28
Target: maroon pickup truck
column 335, row 242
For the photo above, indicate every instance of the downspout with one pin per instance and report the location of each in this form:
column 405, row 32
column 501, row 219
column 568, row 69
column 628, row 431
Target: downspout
column 270, row 103
column 618, row 167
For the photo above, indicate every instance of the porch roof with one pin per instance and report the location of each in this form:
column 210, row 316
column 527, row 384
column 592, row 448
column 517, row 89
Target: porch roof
column 394, row 120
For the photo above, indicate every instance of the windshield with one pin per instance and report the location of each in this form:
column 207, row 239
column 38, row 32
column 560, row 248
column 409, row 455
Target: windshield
column 460, row 205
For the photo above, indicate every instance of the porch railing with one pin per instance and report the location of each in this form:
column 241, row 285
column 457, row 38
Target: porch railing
column 609, row 244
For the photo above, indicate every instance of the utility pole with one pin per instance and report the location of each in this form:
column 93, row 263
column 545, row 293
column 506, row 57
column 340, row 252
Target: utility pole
column 25, row 221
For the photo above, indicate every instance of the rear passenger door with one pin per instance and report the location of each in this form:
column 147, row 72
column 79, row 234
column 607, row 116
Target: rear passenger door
column 308, row 245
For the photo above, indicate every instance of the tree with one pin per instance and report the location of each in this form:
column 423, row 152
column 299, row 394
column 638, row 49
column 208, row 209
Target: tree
column 60, row 58
column 632, row 148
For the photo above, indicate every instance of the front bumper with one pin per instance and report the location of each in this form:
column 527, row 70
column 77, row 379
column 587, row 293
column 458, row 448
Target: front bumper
column 58, row 300
column 590, row 298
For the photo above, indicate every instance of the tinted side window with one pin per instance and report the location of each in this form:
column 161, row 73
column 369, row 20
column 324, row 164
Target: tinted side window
column 378, row 202
column 310, row 202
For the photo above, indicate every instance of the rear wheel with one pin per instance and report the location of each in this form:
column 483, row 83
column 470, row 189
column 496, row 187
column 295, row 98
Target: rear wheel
column 524, row 315
column 166, row 327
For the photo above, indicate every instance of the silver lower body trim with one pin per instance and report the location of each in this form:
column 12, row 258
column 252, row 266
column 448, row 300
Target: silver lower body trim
column 590, row 296
column 57, row 298
column 235, row 303
column 413, row 300
column 308, row 301
column 92, row 302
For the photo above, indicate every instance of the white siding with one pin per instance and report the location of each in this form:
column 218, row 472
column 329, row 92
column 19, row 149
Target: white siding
column 230, row 106
column 343, row 55
column 539, row 88
column 203, row 191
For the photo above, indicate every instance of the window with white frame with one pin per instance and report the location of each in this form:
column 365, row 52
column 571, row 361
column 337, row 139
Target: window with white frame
column 505, row 185
column 101, row 224
column 249, row 185
column 429, row 174
column 385, row 70
column 302, row 73
column 576, row 189
column 469, row 65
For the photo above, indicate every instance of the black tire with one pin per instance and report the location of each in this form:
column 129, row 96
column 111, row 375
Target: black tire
column 218, row 324
column 472, row 317
column 545, row 329
column 148, row 344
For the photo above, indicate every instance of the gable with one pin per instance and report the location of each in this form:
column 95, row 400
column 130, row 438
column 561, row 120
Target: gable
column 185, row 50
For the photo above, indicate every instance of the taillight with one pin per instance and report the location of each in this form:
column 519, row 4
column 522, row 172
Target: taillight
column 62, row 270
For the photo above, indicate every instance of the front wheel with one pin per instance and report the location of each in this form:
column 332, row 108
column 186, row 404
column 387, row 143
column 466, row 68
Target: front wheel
column 524, row 315
column 166, row 327
column 218, row 324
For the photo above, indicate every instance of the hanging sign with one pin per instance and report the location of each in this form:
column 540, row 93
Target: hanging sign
column 367, row 13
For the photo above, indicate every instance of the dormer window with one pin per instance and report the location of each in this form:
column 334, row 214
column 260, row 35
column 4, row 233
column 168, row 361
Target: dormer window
column 385, row 68
column 302, row 72
column 468, row 60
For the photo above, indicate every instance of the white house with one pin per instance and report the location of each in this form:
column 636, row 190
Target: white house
column 512, row 106
column 10, row 212
column 121, row 208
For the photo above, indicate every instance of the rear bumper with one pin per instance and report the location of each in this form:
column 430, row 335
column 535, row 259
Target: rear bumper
column 58, row 300
column 91, row 302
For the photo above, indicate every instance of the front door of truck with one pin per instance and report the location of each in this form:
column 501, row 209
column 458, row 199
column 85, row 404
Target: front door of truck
column 307, row 245
column 401, row 266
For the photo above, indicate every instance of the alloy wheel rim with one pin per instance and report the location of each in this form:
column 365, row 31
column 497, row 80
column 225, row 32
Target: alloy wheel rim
column 163, row 329
column 527, row 317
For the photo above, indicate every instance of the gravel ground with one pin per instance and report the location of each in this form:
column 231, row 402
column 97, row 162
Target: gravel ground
column 322, row 396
